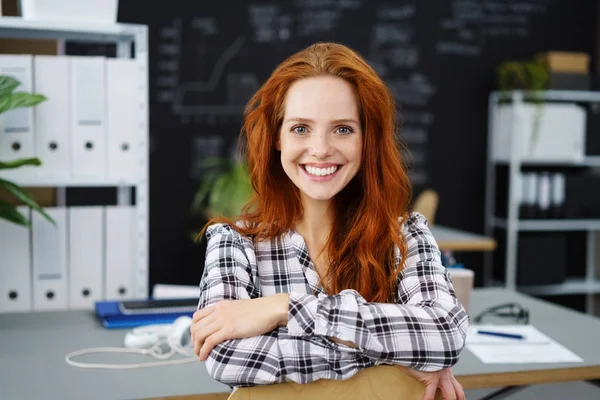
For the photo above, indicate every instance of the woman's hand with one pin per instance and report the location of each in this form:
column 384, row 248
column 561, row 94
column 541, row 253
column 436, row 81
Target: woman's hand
column 236, row 319
column 443, row 379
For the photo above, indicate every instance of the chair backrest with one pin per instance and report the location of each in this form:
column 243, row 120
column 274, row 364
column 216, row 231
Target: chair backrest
column 381, row 382
column 427, row 204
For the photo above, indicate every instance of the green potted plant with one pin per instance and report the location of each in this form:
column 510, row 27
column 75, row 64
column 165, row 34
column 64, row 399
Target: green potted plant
column 225, row 189
column 10, row 99
column 530, row 76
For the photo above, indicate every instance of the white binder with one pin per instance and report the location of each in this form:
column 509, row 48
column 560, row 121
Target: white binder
column 52, row 122
column 85, row 256
column 123, row 117
column 49, row 243
column 88, row 117
column 15, row 266
column 16, row 125
column 120, row 252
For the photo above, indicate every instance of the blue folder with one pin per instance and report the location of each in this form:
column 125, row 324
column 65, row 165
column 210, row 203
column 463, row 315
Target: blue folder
column 133, row 313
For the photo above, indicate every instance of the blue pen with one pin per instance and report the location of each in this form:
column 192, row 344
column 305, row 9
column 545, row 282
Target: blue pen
column 499, row 334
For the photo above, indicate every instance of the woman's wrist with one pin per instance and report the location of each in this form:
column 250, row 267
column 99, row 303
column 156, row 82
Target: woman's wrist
column 282, row 308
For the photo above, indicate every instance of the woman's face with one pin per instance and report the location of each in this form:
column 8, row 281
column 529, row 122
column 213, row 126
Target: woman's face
column 321, row 138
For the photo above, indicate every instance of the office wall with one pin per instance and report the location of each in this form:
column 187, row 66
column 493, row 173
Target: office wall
column 207, row 58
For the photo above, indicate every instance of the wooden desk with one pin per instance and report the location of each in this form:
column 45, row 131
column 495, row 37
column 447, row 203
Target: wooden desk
column 456, row 240
column 33, row 347
column 576, row 331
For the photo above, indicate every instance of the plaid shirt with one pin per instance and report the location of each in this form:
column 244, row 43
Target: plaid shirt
column 424, row 330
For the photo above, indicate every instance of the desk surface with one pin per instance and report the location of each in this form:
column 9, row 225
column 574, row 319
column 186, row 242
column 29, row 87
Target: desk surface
column 33, row 347
column 457, row 240
column 577, row 331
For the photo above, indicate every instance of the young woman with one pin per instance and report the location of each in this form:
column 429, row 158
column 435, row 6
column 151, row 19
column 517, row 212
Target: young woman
column 326, row 272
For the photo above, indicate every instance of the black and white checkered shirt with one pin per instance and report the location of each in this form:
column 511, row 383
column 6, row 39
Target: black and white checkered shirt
column 424, row 330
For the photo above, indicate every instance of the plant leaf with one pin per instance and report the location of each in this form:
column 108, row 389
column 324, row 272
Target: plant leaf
column 24, row 197
column 19, row 163
column 10, row 213
column 22, row 99
column 7, row 85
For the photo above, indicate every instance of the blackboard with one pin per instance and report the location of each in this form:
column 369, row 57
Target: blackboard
column 438, row 56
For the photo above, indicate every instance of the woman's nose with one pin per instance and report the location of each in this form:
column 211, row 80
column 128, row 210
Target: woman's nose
column 320, row 145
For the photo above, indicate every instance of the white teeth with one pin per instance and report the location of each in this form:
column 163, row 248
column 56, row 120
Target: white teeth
column 320, row 171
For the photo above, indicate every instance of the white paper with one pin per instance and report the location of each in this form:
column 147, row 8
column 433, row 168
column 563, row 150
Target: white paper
column 536, row 347
column 164, row 291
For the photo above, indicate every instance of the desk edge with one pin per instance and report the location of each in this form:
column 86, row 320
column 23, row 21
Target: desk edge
column 533, row 377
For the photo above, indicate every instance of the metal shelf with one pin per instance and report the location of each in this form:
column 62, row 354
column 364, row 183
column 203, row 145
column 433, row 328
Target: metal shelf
column 17, row 27
column 552, row 224
column 551, row 95
column 131, row 41
column 589, row 161
column 70, row 182
column 570, row 286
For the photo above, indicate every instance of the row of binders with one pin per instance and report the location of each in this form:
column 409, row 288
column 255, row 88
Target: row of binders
column 88, row 255
column 542, row 195
column 90, row 124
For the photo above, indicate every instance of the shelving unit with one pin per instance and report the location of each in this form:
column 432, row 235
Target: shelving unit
column 512, row 224
column 131, row 41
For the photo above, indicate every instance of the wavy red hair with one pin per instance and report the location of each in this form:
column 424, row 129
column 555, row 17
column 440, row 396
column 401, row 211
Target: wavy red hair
column 369, row 211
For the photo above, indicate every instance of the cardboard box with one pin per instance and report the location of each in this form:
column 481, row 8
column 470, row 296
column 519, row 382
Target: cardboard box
column 560, row 61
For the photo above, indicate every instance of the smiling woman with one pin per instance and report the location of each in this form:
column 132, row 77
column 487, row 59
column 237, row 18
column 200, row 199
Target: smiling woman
column 325, row 272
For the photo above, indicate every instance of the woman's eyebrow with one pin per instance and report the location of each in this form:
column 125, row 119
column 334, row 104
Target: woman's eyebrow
column 335, row 121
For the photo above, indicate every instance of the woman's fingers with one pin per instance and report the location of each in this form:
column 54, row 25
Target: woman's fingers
column 210, row 343
column 201, row 333
column 460, row 393
column 202, row 313
column 195, row 327
column 430, row 389
column 447, row 388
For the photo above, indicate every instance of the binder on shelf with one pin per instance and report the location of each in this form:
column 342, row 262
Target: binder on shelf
column 52, row 122
column 85, row 256
column 49, row 244
column 88, row 116
column 123, row 117
column 119, row 239
column 15, row 268
column 16, row 125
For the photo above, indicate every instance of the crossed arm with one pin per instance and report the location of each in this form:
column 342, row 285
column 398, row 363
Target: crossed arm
column 313, row 337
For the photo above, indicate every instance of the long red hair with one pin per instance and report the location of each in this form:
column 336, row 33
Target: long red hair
column 369, row 211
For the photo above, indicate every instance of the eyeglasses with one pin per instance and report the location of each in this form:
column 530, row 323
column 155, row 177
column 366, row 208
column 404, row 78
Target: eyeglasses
column 509, row 313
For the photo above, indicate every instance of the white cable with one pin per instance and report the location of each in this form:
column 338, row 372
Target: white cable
column 155, row 351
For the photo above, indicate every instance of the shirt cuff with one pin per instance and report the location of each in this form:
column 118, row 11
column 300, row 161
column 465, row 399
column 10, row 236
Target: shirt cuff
column 335, row 313
column 301, row 315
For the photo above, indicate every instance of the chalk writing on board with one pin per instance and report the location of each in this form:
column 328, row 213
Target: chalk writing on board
column 396, row 12
column 207, row 25
column 416, row 90
column 340, row 4
column 190, row 98
column 416, row 135
column 318, row 21
column 204, row 147
column 465, row 32
column 169, row 54
column 392, row 34
column 417, row 117
column 268, row 24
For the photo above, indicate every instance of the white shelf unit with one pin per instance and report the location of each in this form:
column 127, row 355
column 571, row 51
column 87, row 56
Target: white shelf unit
column 512, row 224
column 123, row 36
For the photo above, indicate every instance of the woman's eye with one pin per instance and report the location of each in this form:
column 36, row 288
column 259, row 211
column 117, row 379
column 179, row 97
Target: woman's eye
column 344, row 130
column 299, row 129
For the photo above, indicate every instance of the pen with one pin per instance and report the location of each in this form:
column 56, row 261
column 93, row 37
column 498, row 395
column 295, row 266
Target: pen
column 499, row 334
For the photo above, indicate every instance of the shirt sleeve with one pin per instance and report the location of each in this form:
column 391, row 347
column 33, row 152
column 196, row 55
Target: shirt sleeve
column 273, row 357
column 425, row 330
